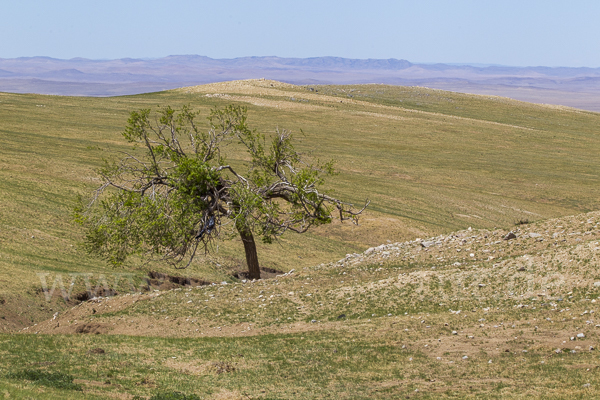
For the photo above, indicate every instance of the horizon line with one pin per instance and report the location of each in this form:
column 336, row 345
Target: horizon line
column 469, row 64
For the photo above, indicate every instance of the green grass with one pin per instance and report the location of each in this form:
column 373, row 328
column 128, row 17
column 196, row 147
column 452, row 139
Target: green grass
column 323, row 365
column 372, row 360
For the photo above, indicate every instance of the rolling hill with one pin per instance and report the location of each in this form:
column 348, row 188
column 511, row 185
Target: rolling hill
column 448, row 175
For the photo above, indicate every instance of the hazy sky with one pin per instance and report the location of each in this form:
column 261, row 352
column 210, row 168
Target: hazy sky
column 521, row 33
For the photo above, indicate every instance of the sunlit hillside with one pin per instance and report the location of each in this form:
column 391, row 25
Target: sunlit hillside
column 430, row 161
column 472, row 274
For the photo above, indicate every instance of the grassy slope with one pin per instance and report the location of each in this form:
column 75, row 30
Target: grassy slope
column 404, row 320
column 431, row 162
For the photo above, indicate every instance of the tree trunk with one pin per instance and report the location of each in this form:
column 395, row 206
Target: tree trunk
column 251, row 254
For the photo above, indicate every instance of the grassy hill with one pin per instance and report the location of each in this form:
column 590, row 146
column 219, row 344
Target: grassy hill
column 471, row 314
column 431, row 162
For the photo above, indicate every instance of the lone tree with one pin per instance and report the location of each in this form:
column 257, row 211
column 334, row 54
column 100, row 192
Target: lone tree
column 177, row 193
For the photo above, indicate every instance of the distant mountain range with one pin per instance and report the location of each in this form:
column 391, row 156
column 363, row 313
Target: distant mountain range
column 576, row 87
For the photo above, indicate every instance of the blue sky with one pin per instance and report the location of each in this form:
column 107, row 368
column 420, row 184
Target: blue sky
column 508, row 32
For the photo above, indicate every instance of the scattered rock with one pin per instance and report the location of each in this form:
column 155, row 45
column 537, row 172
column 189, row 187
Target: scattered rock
column 510, row 236
column 580, row 336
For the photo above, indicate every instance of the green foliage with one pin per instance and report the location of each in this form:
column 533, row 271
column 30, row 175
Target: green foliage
column 165, row 201
column 57, row 380
column 130, row 223
column 193, row 179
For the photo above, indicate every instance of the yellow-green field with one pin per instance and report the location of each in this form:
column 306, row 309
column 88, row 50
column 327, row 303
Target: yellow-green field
column 431, row 162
